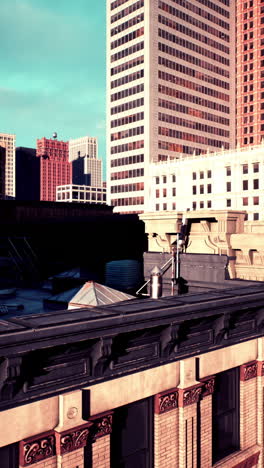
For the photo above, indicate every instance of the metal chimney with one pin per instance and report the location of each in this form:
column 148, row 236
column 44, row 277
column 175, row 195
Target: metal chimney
column 156, row 283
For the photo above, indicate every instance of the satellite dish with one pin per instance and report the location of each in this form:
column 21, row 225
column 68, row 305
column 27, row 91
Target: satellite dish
column 55, row 135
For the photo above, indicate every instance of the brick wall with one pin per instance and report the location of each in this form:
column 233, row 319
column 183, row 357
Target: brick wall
column 48, row 463
column 101, row 452
column 166, row 439
column 206, row 431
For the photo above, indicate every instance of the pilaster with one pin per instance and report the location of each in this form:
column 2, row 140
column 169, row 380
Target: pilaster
column 166, row 423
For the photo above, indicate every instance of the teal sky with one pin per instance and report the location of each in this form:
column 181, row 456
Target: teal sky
column 52, row 57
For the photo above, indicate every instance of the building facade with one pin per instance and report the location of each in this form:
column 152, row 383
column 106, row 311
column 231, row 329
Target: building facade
column 9, row 141
column 81, row 194
column 250, row 72
column 219, row 181
column 170, row 88
column 86, row 167
column 55, row 168
column 27, row 174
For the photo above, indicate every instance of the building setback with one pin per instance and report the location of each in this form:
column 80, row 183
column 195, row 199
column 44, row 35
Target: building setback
column 224, row 180
column 55, row 168
column 170, row 88
column 9, row 141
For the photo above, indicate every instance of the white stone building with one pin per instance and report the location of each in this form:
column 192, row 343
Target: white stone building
column 81, row 194
column 228, row 179
column 87, row 168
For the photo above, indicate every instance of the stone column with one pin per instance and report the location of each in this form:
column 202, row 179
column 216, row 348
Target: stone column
column 166, row 437
column 248, row 405
column 188, row 399
column 101, row 430
column 206, row 422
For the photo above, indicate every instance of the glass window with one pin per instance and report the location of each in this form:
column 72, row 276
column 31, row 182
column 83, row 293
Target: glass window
column 255, row 216
column 255, row 184
column 228, row 171
column 245, row 184
column 228, row 202
column 245, row 169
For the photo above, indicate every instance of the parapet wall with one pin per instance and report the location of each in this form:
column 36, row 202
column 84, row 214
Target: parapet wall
column 212, row 232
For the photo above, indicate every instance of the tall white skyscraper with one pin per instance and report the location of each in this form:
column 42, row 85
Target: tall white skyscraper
column 9, row 141
column 170, row 87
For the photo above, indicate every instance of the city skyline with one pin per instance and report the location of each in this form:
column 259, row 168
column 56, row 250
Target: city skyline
column 55, row 81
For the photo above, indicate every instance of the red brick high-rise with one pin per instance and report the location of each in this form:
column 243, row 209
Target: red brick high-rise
column 250, row 72
column 55, row 168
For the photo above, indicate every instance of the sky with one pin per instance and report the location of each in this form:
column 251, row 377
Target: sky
column 52, row 77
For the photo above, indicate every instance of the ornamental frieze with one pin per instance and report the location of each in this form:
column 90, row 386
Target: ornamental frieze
column 165, row 402
column 102, row 425
column 73, row 439
column 190, row 395
column 248, row 371
column 35, row 450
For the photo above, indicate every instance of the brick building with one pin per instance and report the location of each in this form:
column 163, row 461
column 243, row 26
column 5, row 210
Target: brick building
column 55, row 168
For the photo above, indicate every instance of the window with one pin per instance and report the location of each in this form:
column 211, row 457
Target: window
column 201, row 204
column 209, row 188
column 157, row 180
column 225, row 406
column 157, row 207
column 245, row 169
column 173, row 178
column 255, row 216
column 201, row 189
column 228, row 202
column 228, row 186
column 209, row 174
column 228, row 171
column 245, row 184
column 194, row 190
column 209, row 204
column 255, row 200
column 174, row 191
column 194, row 205
column 255, row 184
column 201, row 175
column 164, row 206
column 245, row 201
column 164, row 179
column 194, row 175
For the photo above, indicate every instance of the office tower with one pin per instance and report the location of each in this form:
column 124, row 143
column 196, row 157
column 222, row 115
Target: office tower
column 10, row 169
column 250, row 72
column 86, row 167
column 170, row 87
column 2, row 171
column 55, row 168
column 27, row 174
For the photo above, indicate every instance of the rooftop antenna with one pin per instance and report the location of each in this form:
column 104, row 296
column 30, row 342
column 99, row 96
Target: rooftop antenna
column 55, row 136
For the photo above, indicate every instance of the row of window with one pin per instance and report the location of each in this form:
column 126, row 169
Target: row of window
column 128, row 201
column 127, row 133
column 202, row 12
column 201, row 205
column 169, row 132
column 201, row 189
column 127, row 65
column 215, row 7
column 163, row 179
column 163, row 192
column 127, row 174
column 127, row 11
column 127, row 106
column 129, row 37
column 138, row 158
column 127, row 92
column 192, row 33
column 191, row 111
column 176, row 148
column 127, row 120
column 133, row 145
column 128, row 24
column 255, row 184
column 127, row 79
column 117, row 3
column 195, row 22
column 202, row 174
column 192, row 59
column 192, row 98
column 127, row 187
column 193, row 124
column 129, row 51
column 192, row 72
column 192, row 46
column 192, row 85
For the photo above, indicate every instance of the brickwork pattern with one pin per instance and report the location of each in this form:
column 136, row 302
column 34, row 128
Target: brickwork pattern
column 166, row 433
column 188, row 436
column 101, row 452
column 248, row 413
column 233, row 460
column 206, row 432
column 260, row 410
column 49, row 463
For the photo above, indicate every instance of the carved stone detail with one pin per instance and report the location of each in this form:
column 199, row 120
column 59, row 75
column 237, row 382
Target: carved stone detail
column 166, row 401
column 260, row 369
column 189, row 396
column 72, row 440
column 208, row 386
column 248, row 371
column 35, row 450
column 102, row 425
